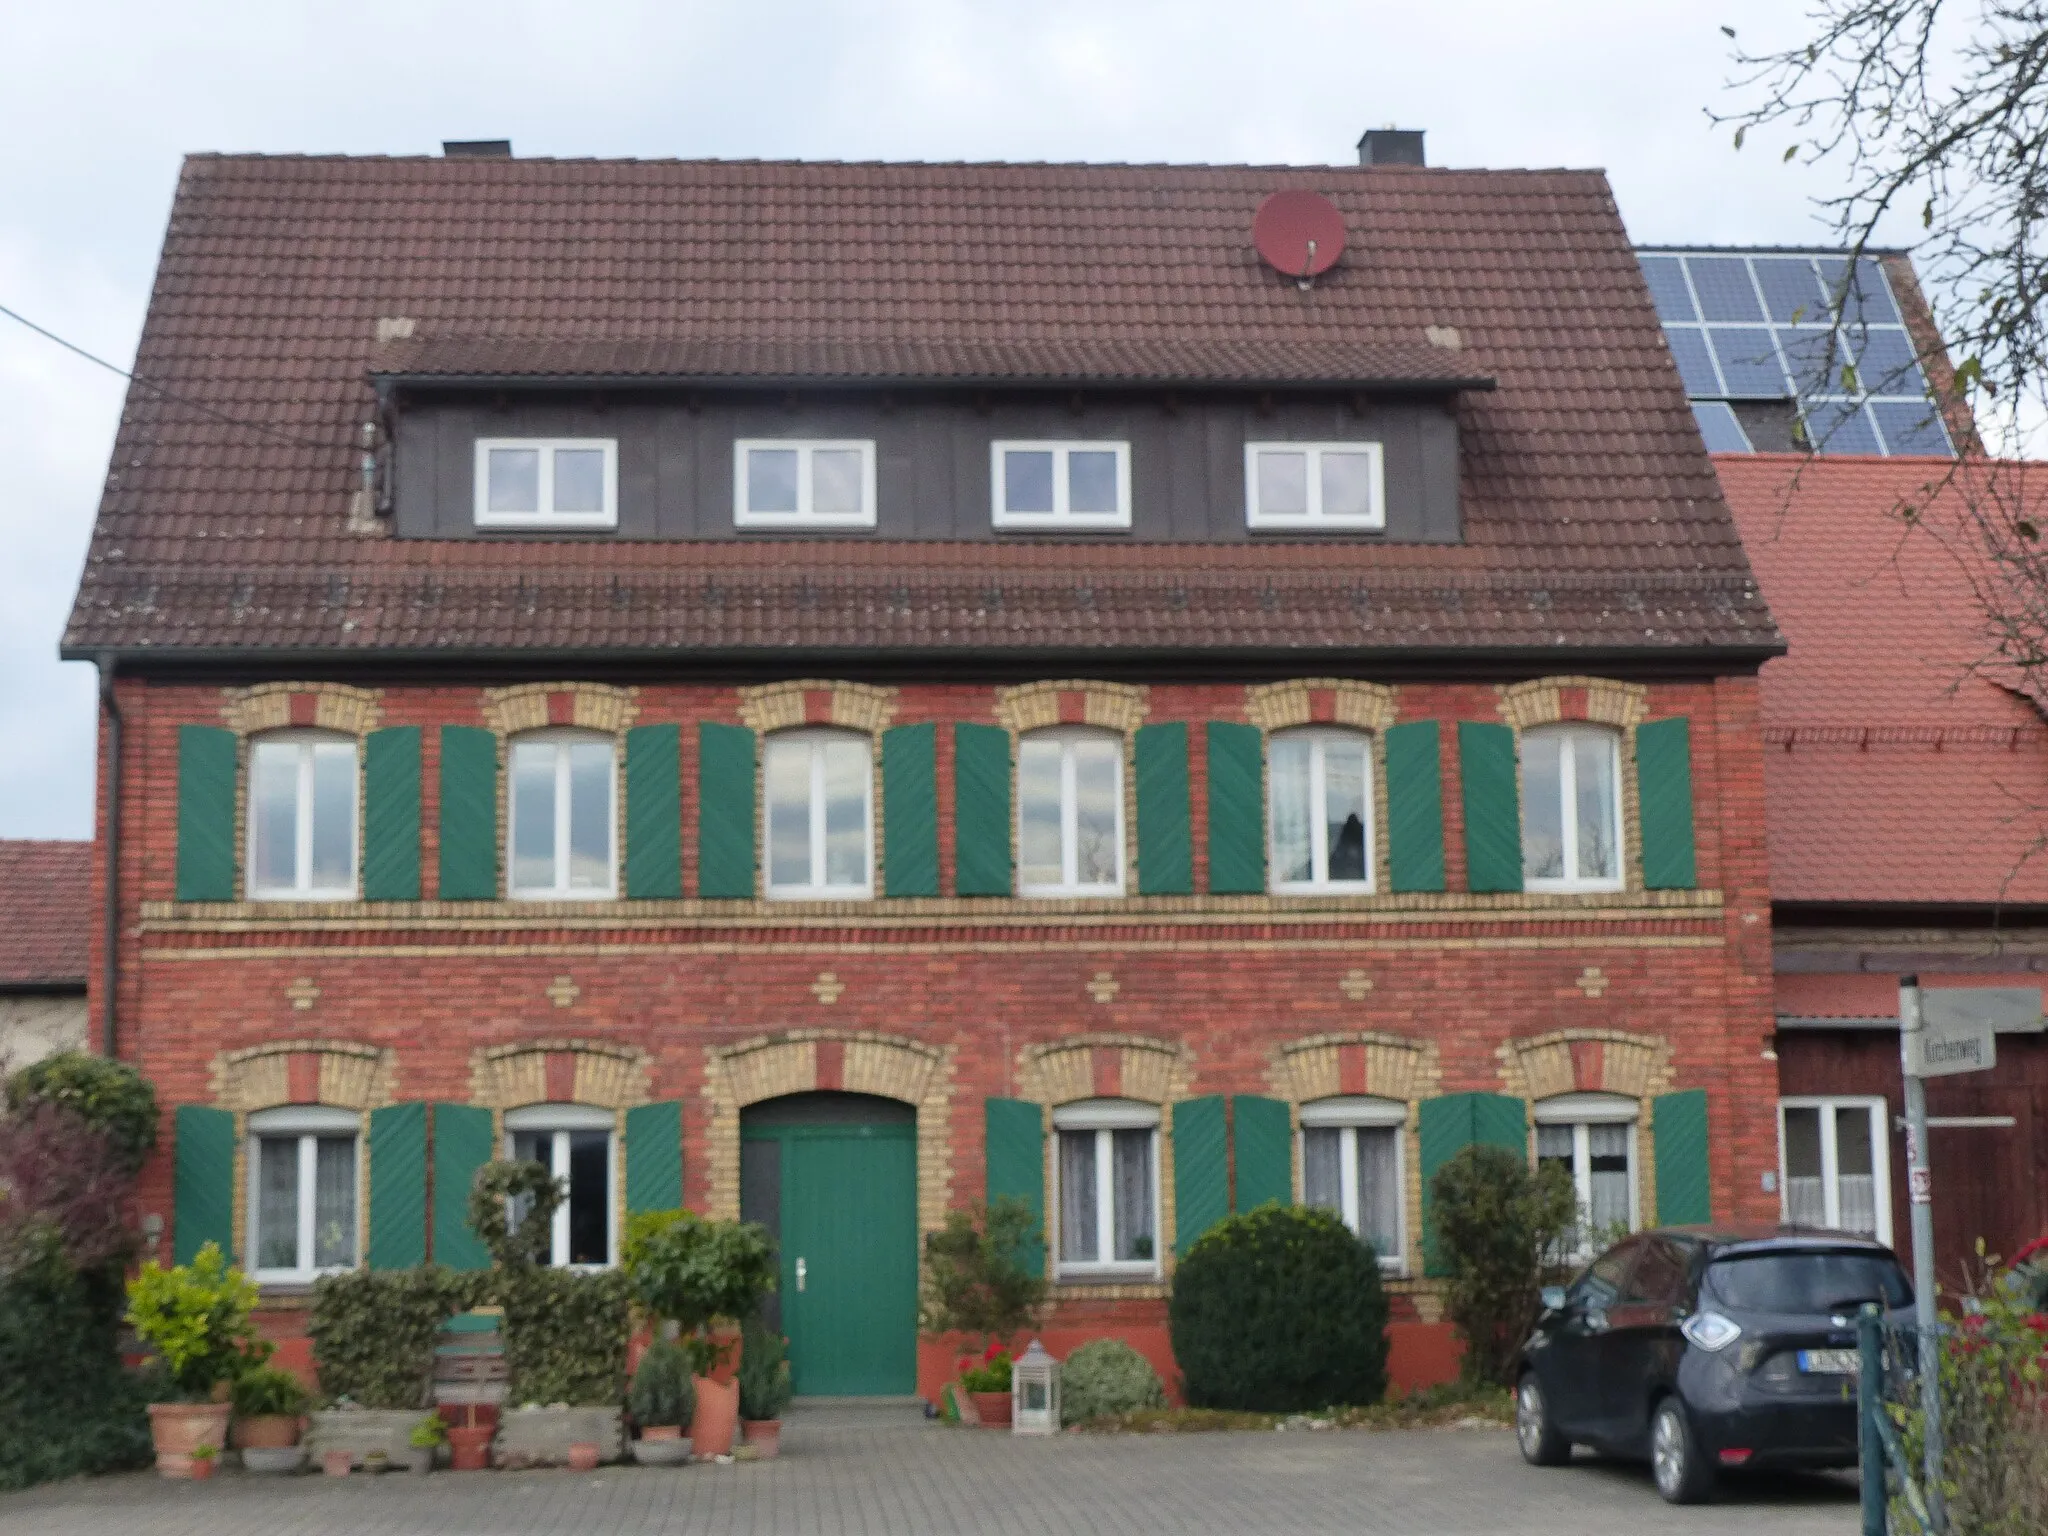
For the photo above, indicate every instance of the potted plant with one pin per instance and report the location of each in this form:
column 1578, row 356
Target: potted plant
column 203, row 1459
column 469, row 1446
column 764, row 1388
column 702, row 1275
column 197, row 1319
column 422, row 1441
column 270, row 1406
column 981, row 1279
column 988, row 1383
column 663, row 1399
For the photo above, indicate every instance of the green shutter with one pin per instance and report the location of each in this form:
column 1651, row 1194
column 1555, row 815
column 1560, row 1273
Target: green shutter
column 391, row 814
column 1237, row 809
column 1493, row 812
column 398, row 1186
column 1015, row 1152
column 910, row 810
column 654, row 1156
column 1201, row 1169
column 725, row 811
column 1263, row 1138
column 1678, row 1124
column 981, row 810
column 1500, row 1121
column 1165, row 838
column 1664, row 785
column 654, row 812
column 462, row 1144
column 1415, row 808
column 1449, row 1124
column 206, row 813
column 203, row 1209
column 469, row 814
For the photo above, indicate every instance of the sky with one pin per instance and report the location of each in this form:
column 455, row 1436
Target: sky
column 102, row 99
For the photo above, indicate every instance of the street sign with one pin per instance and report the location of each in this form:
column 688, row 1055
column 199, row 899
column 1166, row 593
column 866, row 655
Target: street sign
column 1941, row 1048
column 2009, row 1010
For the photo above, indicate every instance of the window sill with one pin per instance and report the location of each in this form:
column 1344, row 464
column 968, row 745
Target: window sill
column 1110, row 1274
column 1027, row 522
column 783, row 522
column 805, row 893
column 1315, row 525
column 1572, row 888
column 519, row 522
column 585, row 896
column 1350, row 889
column 305, row 896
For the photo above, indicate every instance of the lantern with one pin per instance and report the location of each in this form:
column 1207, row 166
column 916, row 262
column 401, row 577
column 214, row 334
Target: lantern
column 1034, row 1392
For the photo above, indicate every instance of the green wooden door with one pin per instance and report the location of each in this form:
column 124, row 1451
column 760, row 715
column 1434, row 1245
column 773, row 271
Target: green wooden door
column 849, row 1219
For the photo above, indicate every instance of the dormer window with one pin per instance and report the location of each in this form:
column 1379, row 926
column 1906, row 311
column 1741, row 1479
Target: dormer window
column 1314, row 485
column 1061, row 485
column 532, row 482
column 786, row 483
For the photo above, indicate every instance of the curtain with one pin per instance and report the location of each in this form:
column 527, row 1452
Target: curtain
column 1322, row 1184
column 334, row 1202
column 277, row 1202
column 1607, row 1183
column 1077, row 1197
column 1289, row 788
column 1132, row 1193
column 1379, row 1190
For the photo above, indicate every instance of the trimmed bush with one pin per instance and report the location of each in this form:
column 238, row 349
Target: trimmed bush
column 565, row 1335
column 1497, row 1226
column 1280, row 1310
column 374, row 1331
column 663, row 1395
column 1106, row 1376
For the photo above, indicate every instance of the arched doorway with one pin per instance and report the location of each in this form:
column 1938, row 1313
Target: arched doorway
column 834, row 1177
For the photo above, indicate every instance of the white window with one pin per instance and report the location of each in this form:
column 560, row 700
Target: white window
column 784, row 483
column 302, row 817
column 1313, row 485
column 1061, row 485
column 574, row 1143
column 1351, row 1164
column 302, row 1192
column 539, row 482
column 1070, row 814
column 1835, row 1165
column 1592, row 1136
column 562, row 814
column 817, row 809
column 1571, row 809
column 1319, row 810
column 1108, row 1182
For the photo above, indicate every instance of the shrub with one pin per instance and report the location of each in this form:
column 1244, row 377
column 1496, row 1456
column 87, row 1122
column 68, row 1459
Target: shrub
column 991, row 1374
column 427, row 1434
column 108, row 1096
column 63, row 1180
column 196, row 1318
column 500, row 1188
column 1497, row 1227
column 976, row 1279
column 565, row 1334
column 1280, row 1310
column 374, row 1331
column 693, row 1271
column 268, row 1391
column 663, row 1393
column 764, row 1373
column 1106, row 1376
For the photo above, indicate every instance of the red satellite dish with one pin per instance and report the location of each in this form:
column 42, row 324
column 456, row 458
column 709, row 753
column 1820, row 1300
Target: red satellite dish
column 1299, row 234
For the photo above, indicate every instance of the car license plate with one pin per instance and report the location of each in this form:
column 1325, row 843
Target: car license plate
column 1829, row 1362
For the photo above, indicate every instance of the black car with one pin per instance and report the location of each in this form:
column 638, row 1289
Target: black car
column 1705, row 1348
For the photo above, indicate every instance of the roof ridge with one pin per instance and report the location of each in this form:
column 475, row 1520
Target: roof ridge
column 342, row 157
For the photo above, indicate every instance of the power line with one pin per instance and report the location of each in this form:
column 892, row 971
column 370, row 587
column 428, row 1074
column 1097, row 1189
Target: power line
column 158, row 390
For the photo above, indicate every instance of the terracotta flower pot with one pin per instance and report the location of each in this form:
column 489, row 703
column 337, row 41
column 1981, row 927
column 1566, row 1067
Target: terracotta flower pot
column 265, row 1431
column 202, row 1468
column 176, row 1429
column 718, row 1415
column 338, row 1463
column 728, row 1341
column 583, row 1456
column 662, row 1432
column 764, row 1435
column 993, row 1409
column 469, row 1447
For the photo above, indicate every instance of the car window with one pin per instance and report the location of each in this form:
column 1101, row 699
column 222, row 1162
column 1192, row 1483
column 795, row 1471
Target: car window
column 1601, row 1284
column 1807, row 1280
column 1659, row 1278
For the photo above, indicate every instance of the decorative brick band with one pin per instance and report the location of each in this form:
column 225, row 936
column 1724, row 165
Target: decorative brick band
column 1550, row 700
column 1105, row 1067
column 592, row 1072
column 1320, row 701
column 1034, row 706
column 783, row 706
column 325, row 706
column 331, row 1072
column 1367, row 1062
column 534, row 706
column 1587, row 1061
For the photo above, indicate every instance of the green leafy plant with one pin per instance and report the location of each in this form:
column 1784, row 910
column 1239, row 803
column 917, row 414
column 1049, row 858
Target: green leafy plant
column 1500, row 1229
column 204, row 1452
column 1280, row 1310
column 1104, row 1377
column 662, row 1394
column 374, row 1331
column 694, row 1271
column 197, row 1318
column 512, row 1208
column 107, row 1095
column 565, row 1334
column 764, row 1373
column 977, row 1276
column 992, row 1373
column 427, row 1434
column 268, row 1392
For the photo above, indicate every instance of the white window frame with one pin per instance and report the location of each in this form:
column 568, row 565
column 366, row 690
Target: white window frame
column 1568, row 793
column 304, row 740
column 1319, row 738
column 1830, row 1158
column 816, row 888
column 308, row 1123
column 1351, row 1114
column 1070, row 809
column 803, row 517
column 1582, row 1111
column 561, row 737
column 1103, row 1116
column 545, row 516
column 1062, row 490
column 560, row 1120
column 1315, row 517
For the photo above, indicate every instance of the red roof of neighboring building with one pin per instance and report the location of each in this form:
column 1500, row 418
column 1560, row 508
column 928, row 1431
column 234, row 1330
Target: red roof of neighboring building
column 1894, row 772
column 46, row 913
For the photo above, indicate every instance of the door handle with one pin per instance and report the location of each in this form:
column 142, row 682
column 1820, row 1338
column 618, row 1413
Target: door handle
column 799, row 1274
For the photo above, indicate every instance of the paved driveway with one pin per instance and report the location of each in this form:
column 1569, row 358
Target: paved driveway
column 886, row 1472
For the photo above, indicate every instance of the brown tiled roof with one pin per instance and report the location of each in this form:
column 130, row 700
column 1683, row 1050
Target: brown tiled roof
column 1592, row 515
column 46, row 913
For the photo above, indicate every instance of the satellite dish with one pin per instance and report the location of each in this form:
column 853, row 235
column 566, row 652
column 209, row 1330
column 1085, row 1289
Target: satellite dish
column 1299, row 234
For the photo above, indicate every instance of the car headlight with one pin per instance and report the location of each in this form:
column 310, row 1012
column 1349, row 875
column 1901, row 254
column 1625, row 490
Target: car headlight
column 1710, row 1330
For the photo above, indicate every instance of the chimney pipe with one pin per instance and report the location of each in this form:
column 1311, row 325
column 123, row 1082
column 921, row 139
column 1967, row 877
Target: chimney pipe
column 1391, row 146
column 476, row 149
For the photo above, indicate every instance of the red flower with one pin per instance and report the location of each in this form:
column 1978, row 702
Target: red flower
column 2038, row 1321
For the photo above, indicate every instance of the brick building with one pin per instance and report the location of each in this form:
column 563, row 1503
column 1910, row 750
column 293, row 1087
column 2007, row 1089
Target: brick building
column 828, row 691
column 46, row 922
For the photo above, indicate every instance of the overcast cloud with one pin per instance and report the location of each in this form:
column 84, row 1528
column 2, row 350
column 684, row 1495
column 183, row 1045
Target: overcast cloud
column 101, row 100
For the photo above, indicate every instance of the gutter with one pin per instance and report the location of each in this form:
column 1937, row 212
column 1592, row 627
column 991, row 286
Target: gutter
column 110, row 1035
column 1009, row 383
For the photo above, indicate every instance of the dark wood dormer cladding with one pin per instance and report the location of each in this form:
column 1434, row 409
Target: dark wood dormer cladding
column 932, row 457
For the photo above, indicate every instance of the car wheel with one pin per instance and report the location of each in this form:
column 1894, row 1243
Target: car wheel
column 1682, row 1473
column 1542, row 1445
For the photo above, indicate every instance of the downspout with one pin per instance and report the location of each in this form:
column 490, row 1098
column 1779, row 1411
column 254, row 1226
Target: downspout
column 110, row 1036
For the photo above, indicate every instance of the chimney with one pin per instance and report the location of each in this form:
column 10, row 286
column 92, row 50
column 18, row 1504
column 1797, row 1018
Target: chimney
column 477, row 149
column 1391, row 146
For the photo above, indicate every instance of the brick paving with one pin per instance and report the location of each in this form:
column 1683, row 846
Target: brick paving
column 884, row 1472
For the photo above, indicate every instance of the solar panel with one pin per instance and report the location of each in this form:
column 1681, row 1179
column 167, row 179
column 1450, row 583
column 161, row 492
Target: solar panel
column 1791, row 290
column 1719, row 429
column 1724, row 287
column 1695, row 362
column 1817, row 359
column 1912, row 427
column 1836, row 427
column 1749, row 362
column 1666, row 277
column 1887, row 365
